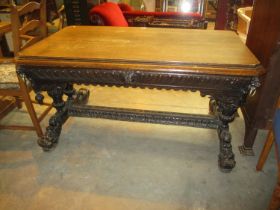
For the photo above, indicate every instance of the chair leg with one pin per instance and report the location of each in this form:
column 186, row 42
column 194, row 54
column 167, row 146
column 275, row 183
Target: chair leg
column 265, row 151
column 30, row 107
column 275, row 200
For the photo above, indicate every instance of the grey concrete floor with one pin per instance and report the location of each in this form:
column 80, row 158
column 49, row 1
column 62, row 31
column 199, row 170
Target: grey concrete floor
column 110, row 165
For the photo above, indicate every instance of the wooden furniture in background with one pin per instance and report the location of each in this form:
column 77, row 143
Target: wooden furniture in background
column 112, row 14
column 11, row 85
column 31, row 30
column 226, row 17
column 262, row 39
column 144, row 59
column 273, row 137
column 6, row 103
column 77, row 12
column 244, row 19
column 5, row 27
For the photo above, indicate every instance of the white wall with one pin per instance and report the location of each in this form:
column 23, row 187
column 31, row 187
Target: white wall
column 150, row 5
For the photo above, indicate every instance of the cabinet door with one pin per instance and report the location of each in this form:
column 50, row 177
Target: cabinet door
column 262, row 39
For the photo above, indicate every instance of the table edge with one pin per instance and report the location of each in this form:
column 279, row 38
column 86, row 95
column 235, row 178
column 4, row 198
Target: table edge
column 206, row 68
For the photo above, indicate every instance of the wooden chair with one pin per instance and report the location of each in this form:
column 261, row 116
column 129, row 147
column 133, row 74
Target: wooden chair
column 273, row 137
column 26, row 31
column 59, row 22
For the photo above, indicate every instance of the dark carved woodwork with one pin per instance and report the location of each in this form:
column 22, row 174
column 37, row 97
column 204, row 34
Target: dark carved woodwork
column 264, row 33
column 112, row 56
column 138, row 78
column 179, row 21
column 134, row 115
column 227, row 94
column 226, row 18
column 51, row 136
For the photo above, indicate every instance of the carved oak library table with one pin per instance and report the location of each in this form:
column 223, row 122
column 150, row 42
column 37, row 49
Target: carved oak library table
column 216, row 63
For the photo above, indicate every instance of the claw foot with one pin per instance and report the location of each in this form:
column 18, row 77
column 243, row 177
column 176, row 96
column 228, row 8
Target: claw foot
column 226, row 164
column 50, row 139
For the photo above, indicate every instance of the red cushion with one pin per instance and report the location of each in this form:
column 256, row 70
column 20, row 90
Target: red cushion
column 111, row 14
column 125, row 7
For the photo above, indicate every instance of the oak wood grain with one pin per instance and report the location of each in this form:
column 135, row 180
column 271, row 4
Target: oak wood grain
column 201, row 51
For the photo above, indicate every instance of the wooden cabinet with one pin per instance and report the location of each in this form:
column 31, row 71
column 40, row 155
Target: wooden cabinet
column 262, row 39
column 76, row 12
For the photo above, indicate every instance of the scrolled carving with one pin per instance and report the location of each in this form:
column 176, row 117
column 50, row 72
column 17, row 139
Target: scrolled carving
column 255, row 83
column 137, row 78
column 133, row 115
column 129, row 77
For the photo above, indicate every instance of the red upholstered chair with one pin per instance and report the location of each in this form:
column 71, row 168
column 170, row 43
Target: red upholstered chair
column 108, row 14
column 112, row 14
column 125, row 7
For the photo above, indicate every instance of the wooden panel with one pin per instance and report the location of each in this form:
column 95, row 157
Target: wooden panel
column 117, row 45
column 221, row 16
column 76, row 12
column 263, row 34
column 264, row 29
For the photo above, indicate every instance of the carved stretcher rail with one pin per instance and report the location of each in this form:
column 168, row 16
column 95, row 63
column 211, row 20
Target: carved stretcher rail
column 136, row 115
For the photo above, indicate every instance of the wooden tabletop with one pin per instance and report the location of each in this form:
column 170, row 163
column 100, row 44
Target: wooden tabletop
column 206, row 51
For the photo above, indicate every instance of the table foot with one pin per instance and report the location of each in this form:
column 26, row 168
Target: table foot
column 246, row 151
column 226, row 157
column 48, row 141
column 50, row 138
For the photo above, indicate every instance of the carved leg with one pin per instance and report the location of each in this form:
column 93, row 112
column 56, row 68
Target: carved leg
column 50, row 138
column 226, row 156
column 70, row 92
column 226, row 113
column 79, row 97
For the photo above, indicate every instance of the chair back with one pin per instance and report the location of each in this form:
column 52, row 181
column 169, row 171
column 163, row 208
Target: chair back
column 110, row 13
column 28, row 24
